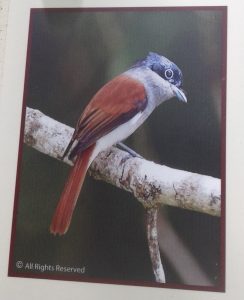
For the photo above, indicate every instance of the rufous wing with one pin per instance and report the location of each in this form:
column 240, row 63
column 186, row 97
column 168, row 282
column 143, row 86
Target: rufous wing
column 114, row 104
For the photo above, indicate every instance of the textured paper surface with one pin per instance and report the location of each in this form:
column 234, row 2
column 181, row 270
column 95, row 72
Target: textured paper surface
column 4, row 4
column 12, row 288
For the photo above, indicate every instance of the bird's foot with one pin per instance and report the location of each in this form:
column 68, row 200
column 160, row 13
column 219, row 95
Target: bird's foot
column 122, row 146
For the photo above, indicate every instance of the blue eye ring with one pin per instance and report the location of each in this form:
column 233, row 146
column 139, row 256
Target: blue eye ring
column 168, row 73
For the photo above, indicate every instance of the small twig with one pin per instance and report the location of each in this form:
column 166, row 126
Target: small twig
column 152, row 237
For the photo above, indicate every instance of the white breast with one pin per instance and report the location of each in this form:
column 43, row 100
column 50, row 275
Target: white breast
column 119, row 134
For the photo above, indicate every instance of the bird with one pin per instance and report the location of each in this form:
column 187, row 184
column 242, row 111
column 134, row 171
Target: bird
column 113, row 114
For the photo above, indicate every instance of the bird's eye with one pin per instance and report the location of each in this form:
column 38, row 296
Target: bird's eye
column 169, row 74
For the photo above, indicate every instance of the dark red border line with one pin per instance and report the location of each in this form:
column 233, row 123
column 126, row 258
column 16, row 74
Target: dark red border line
column 217, row 288
column 223, row 150
column 129, row 9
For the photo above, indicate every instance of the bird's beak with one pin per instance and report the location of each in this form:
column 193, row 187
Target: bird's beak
column 180, row 94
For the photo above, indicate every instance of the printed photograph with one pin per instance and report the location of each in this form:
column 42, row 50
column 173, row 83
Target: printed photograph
column 121, row 163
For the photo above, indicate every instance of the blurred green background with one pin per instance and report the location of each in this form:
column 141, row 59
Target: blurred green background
column 73, row 53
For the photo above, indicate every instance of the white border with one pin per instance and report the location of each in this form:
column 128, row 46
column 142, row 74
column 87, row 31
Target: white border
column 10, row 111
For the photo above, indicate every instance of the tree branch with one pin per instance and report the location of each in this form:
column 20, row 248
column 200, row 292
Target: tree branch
column 150, row 183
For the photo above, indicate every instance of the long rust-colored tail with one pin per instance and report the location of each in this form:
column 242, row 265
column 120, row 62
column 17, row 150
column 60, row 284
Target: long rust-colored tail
column 64, row 211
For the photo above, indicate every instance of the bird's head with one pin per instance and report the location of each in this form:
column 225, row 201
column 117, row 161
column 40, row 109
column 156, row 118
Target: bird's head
column 167, row 70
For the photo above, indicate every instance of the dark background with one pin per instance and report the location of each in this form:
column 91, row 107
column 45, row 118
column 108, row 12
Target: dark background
column 72, row 54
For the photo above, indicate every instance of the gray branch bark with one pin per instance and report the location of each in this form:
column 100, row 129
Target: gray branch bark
column 152, row 184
